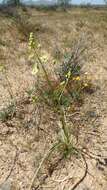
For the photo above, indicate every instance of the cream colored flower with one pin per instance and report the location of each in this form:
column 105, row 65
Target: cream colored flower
column 85, row 73
column 35, row 69
column 39, row 45
column 44, row 58
column 68, row 74
column 31, row 56
column 85, row 84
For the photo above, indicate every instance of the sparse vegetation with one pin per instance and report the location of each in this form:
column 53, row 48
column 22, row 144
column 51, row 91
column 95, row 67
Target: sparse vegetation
column 59, row 93
column 50, row 97
column 64, row 3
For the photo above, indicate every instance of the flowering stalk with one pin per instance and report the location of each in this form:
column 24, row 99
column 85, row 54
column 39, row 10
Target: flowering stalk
column 33, row 46
column 44, row 70
column 65, row 84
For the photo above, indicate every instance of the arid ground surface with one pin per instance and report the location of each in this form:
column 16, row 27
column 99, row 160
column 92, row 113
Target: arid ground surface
column 22, row 145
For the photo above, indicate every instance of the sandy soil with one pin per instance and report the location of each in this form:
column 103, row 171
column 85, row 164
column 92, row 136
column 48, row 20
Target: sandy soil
column 22, row 145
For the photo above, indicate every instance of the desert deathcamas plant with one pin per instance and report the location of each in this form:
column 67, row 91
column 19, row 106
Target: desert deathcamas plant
column 55, row 95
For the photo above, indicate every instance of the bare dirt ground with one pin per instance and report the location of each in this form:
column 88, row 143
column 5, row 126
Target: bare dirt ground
column 22, row 145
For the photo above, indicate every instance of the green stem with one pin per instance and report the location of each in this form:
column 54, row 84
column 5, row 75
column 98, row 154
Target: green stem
column 41, row 163
column 64, row 87
column 44, row 70
column 63, row 122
